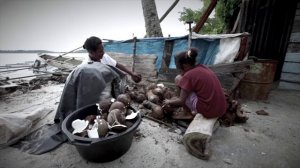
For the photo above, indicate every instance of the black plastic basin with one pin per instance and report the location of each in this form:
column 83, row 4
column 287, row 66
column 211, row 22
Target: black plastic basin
column 99, row 149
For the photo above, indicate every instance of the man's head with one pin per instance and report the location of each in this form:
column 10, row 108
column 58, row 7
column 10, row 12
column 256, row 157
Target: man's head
column 186, row 59
column 94, row 47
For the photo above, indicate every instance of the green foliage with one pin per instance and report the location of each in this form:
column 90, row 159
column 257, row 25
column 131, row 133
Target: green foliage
column 189, row 15
column 225, row 13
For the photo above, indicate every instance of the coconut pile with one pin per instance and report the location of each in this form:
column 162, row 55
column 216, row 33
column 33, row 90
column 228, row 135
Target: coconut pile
column 117, row 115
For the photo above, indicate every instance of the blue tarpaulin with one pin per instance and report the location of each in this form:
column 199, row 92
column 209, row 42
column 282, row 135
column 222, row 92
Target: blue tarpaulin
column 212, row 49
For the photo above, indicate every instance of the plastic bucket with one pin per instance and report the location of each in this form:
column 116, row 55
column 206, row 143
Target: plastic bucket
column 99, row 149
column 257, row 83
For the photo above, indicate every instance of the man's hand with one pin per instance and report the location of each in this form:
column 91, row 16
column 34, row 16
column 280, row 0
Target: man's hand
column 166, row 103
column 136, row 77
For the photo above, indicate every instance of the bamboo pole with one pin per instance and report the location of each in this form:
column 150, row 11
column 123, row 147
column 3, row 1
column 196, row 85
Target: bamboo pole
column 168, row 11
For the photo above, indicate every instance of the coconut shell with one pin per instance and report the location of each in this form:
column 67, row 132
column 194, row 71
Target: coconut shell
column 115, row 116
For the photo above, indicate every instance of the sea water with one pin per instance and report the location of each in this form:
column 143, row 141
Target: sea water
column 20, row 58
column 8, row 59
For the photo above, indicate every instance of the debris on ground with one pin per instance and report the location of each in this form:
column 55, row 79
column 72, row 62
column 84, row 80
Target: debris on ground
column 262, row 112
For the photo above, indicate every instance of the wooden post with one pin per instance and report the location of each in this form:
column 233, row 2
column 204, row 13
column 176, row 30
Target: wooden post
column 197, row 135
column 204, row 17
column 190, row 34
column 134, row 53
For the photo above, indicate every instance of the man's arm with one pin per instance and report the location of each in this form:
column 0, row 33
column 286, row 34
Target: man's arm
column 177, row 100
column 135, row 77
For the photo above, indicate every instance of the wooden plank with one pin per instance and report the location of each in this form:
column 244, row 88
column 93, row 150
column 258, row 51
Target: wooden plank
column 292, row 57
column 296, row 22
column 295, row 37
column 226, row 80
column 144, row 64
column 288, row 85
column 197, row 134
column 296, row 29
column 243, row 50
column 293, row 47
column 140, row 59
column 291, row 67
column 235, row 67
column 290, row 77
column 229, row 74
column 296, row 26
column 298, row 12
column 168, row 76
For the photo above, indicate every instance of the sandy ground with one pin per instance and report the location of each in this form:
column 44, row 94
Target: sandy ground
column 263, row 141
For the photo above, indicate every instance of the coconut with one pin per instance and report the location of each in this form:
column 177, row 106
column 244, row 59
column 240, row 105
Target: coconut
column 102, row 127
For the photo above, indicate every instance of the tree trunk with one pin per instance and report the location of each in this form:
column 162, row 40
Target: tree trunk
column 152, row 24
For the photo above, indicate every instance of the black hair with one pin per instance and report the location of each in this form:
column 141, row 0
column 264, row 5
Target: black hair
column 91, row 44
column 186, row 57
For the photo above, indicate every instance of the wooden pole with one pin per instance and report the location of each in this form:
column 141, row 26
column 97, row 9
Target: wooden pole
column 190, row 34
column 206, row 14
column 10, row 67
column 67, row 53
column 168, row 11
column 16, row 69
column 7, row 78
column 134, row 53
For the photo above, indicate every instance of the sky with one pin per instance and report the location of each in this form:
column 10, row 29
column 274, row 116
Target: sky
column 63, row 25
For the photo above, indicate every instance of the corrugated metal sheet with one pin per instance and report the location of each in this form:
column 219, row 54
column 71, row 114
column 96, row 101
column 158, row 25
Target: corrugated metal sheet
column 270, row 23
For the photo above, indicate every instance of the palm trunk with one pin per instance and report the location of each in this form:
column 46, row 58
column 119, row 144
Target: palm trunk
column 152, row 24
